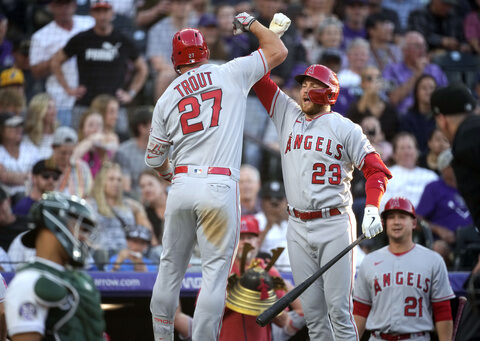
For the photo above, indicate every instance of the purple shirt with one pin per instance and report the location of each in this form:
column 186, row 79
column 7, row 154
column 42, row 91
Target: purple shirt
column 400, row 73
column 443, row 205
column 6, row 54
column 349, row 35
column 23, row 206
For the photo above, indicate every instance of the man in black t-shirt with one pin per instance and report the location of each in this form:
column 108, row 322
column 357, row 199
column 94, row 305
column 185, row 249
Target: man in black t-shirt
column 454, row 109
column 103, row 56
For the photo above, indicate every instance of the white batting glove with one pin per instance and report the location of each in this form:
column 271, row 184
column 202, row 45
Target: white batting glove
column 242, row 23
column 280, row 24
column 372, row 224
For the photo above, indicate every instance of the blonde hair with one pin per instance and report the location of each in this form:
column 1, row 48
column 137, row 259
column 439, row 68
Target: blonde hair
column 37, row 109
column 11, row 98
column 82, row 121
column 100, row 104
column 98, row 192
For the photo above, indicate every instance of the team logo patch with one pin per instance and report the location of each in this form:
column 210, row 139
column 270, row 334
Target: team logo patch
column 27, row 311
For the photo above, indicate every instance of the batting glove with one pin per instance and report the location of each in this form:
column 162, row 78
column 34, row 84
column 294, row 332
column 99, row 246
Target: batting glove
column 168, row 174
column 372, row 224
column 279, row 24
column 242, row 23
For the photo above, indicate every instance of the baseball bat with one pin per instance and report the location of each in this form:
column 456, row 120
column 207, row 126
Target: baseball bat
column 462, row 300
column 267, row 316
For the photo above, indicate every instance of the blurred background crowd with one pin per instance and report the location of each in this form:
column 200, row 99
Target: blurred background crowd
column 75, row 114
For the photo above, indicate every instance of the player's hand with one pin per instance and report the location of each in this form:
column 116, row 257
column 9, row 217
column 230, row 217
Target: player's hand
column 242, row 23
column 372, row 224
column 167, row 172
column 279, row 24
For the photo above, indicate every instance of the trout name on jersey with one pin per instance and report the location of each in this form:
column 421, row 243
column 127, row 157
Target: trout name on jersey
column 193, row 83
column 401, row 278
column 318, row 143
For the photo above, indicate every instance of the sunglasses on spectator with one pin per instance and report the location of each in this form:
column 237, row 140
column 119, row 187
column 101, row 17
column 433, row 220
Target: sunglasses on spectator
column 48, row 175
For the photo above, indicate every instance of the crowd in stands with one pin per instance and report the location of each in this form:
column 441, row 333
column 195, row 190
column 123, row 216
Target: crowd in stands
column 79, row 81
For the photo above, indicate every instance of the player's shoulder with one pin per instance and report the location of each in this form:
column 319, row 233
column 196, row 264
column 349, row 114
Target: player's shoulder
column 339, row 120
column 423, row 251
column 375, row 256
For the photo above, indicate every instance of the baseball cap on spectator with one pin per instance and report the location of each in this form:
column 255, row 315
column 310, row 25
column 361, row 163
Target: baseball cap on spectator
column 11, row 76
column 43, row 166
column 64, row 135
column 452, row 99
column 139, row 232
column 7, row 119
column 444, row 159
column 94, row 4
column 273, row 190
column 450, row 2
column 249, row 224
column 208, row 20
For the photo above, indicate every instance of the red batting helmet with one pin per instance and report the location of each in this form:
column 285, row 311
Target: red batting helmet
column 399, row 204
column 189, row 47
column 323, row 74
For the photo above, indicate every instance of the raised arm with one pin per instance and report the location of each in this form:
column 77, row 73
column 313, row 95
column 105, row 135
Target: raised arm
column 273, row 48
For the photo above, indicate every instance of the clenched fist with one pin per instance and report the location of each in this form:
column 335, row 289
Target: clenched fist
column 280, row 24
column 242, row 23
column 372, row 224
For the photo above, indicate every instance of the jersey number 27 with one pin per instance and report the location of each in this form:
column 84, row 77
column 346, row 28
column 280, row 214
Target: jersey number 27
column 193, row 103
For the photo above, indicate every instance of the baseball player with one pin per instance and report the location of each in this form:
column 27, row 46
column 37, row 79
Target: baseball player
column 319, row 150
column 201, row 114
column 400, row 286
column 48, row 299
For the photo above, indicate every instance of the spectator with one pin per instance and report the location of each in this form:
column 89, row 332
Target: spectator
column 249, row 186
column 44, row 179
column 419, row 119
column 32, row 86
column 115, row 213
column 16, row 159
column 402, row 76
column 441, row 26
column 373, row 130
column 371, row 103
column 10, row 225
column 154, row 199
column 5, row 266
column 108, row 107
column 131, row 153
column 380, row 35
column 13, row 78
column 273, row 222
column 376, row 7
column 471, row 27
column 150, row 12
column 46, row 42
column 317, row 11
column 328, row 35
column 437, row 143
column 403, row 9
column 356, row 12
column 6, row 57
column 41, row 123
column 12, row 101
column 76, row 178
column 408, row 179
column 133, row 258
column 103, row 55
column 159, row 44
column 95, row 146
column 237, row 45
column 442, row 207
column 208, row 25
column 358, row 54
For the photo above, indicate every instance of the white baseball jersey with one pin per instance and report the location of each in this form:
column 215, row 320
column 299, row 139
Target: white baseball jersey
column 204, row 110
column 401, row 289
column 3, row 288
column 321, row 152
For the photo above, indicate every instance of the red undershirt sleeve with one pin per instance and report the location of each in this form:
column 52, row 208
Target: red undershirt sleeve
column 442, row 311
column 361, row 309
column 377, row 175
column 265, row 89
